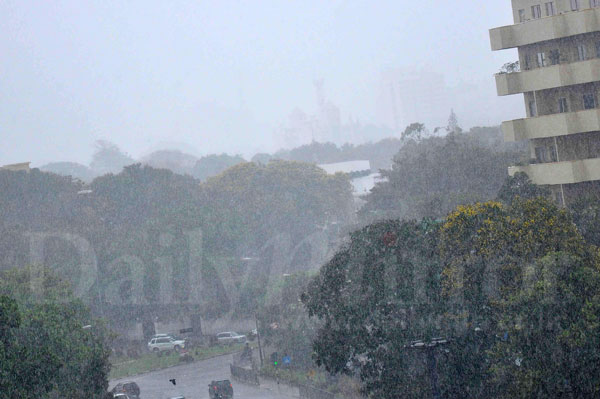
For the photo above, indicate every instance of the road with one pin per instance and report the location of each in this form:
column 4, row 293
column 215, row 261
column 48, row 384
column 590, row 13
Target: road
column 193, row 379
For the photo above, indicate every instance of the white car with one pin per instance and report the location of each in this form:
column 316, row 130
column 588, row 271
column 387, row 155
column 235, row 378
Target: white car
column 161, row 344
column 231, row 337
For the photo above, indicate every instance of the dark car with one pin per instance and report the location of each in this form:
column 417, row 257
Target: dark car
column 220, row 389
column 130, row 388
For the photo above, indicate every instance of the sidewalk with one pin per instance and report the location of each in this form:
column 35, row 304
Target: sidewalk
column 281, row 388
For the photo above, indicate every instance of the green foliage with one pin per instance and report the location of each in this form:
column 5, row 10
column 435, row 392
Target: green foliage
column 281, row 196
column 431, row 177
column 212, row 165
column 515, row 289
column 586, row 216
column 379, row 153
column 46, row 352
column 519, row 186
column 375, row 296
column 553, row 332
column 414, row 131
column 108, row 158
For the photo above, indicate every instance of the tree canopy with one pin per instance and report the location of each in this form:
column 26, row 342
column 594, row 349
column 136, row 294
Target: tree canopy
column 430, row 177
column 510, row 289
column 52, row 347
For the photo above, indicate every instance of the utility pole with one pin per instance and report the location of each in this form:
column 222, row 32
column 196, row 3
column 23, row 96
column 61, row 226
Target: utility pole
column 260, row 353
column 431, row 361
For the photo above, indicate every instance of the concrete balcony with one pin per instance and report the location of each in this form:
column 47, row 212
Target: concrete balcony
column 548, row 77
column 561, row 172
column 552, row 125
column 544, row 29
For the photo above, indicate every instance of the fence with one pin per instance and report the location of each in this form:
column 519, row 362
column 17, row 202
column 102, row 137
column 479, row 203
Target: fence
column 307, row 392
column 248, row 376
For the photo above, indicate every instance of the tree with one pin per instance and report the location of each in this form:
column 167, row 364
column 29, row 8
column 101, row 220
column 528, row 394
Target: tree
column 486, row 250
column 552, row 332
column 212, row 165
column 453, row 126
column 519, row 186
column 108, row 158
column 174, row 160
column 72, row 169
column 433, row 176
column 372, row 302
column 47, row 353
column 282, row 196
column 414, row 131
column 375, row 296
column 27, row 371
column 586, row 216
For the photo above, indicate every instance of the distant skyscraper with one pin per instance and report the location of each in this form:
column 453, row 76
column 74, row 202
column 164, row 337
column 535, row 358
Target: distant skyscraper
column 324, row 125
column 559, row 54
column 410, row 95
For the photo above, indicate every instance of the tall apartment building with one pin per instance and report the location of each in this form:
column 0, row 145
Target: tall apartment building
column 559, row 54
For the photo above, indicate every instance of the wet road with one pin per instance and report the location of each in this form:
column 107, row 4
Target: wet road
column 193, row 379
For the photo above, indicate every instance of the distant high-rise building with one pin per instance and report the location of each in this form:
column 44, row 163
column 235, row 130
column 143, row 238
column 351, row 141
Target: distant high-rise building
column 411, row 95
column 559, row 56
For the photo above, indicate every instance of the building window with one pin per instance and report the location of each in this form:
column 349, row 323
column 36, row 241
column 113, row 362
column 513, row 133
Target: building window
column 554, row 57
column 581, row 52
column 562, row 105
column 536, row 11
column 541, row 60
column 574, row 5
column 532, row 109
column 598, row 49
column 550, row 9
column 540, row 154
column 526, row 62
column 589, row 101
column 521, row 15
column 594, row 3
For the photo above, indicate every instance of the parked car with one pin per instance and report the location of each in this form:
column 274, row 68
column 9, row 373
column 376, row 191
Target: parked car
column 220, row 389
column 177, row 397
column 162, row 344
column 230, row 337
column 130, row 389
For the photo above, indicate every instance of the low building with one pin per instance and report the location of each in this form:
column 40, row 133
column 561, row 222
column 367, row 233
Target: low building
column 17, row 167
column 362, row 178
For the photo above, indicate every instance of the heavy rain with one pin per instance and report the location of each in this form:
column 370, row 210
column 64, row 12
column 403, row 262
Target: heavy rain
column 342, row 199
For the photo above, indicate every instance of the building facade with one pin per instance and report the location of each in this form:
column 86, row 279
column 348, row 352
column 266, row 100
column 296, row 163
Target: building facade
column 558, row 43
column 17, row 167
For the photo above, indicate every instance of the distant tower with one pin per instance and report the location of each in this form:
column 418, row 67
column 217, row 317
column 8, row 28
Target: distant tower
column 394, row 108
column 318, row 83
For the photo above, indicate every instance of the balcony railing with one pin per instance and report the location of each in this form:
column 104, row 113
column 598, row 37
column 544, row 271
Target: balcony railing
column 552, row 125
column 567, row 172
column 548, row 77
column 544, row 29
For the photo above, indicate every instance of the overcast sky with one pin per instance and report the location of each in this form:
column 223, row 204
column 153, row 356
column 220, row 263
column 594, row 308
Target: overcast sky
column 220, row 75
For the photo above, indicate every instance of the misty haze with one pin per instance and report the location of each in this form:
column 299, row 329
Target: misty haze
column 319, row 199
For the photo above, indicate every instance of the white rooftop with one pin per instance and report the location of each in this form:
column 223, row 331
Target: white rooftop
column 364, row 185
column 346, row 167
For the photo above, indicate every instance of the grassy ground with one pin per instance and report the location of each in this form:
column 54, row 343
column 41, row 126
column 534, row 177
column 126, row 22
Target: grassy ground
column 125, row 367
column 294, row 377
